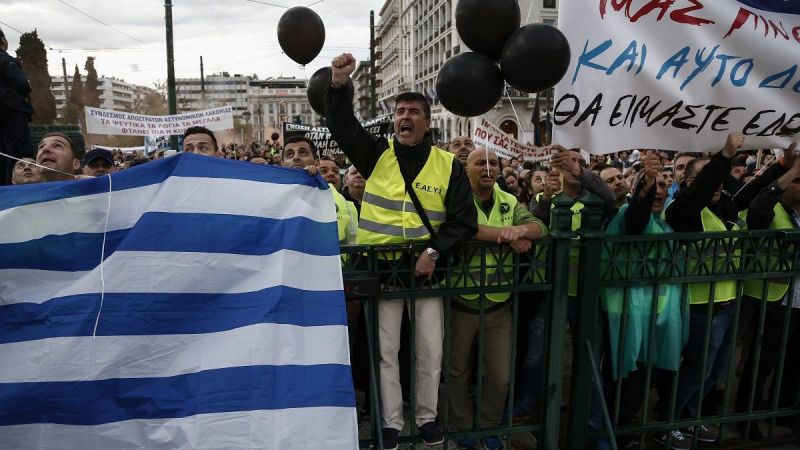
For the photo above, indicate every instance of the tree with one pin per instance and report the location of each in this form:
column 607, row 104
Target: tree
column 91, row 88
column 33, row 56
column 75, row 102
column 153, row 103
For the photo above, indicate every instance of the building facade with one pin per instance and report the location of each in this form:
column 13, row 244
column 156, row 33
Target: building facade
column 416, row 37
column 115, row 94
column 361, row 88
column 215, row 90
column 273, row 101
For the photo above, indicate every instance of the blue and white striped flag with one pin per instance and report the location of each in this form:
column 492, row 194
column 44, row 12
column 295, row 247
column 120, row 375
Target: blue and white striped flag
column 215, row 321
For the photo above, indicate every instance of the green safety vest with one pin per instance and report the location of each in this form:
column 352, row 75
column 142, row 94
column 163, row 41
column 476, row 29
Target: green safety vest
column 699, row 293
column 346, row 218
column 775, row 289
column 388, row 215
column 501, row 215
column 574, row 251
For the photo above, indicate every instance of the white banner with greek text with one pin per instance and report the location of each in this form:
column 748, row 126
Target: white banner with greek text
column 120, row 123
column 679, row 75
column 485, row 134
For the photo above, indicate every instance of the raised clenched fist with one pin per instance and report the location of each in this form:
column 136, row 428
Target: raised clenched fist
column 342, row 66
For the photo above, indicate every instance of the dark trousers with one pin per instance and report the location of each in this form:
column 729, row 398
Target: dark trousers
column 15, row 140
column 691, row 374
column 769, row 357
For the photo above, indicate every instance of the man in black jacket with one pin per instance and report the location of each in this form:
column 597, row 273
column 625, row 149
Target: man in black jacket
column 776, row 207
column 15, row 112
column 404, row 175
column 702, row 205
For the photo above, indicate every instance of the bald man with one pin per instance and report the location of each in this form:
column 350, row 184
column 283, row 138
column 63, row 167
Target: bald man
column 501, row 219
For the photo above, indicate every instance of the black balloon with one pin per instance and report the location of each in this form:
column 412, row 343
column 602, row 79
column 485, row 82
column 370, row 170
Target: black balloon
column 301, row 34
column 485, row 25
column 469, row 84
column 535, row 57
column 317, row 86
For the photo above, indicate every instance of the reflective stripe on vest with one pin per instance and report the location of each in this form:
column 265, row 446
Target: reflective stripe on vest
column 388, row 215
column 342, row 215
column 574, row 251
column 775, row 289
column 699, row 293
column 497, row 218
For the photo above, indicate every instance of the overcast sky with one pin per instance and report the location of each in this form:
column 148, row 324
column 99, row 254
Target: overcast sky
column 237, row 36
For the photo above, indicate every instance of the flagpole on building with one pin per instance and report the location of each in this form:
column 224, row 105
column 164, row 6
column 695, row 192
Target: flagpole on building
column 372, row 97
column 172, row 99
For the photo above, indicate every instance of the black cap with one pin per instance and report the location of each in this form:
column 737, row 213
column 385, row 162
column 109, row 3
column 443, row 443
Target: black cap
column 98, row 153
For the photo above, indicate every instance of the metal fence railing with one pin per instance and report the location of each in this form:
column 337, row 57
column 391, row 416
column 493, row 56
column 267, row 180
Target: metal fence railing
column 620, row 356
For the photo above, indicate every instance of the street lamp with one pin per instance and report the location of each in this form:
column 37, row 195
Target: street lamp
column 260, row 121
column 246, row 115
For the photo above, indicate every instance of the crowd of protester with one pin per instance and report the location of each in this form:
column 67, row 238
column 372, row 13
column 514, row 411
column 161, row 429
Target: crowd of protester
column 636, row 189
column 508, row 200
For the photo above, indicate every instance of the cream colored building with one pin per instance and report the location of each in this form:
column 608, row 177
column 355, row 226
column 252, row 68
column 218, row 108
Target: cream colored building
column 417, row 36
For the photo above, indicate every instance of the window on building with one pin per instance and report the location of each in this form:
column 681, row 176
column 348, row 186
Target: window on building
column 548, row 3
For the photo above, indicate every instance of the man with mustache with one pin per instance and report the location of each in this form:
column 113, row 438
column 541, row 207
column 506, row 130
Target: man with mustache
column 354, row 187
column 400, row 173
column 461, row 146
column 613, row 178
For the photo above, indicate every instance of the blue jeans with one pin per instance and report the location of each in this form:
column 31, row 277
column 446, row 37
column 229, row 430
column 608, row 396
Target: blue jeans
column 690, row 378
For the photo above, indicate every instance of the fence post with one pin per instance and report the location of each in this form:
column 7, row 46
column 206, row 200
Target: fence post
column 591, row 234
column 561, row 233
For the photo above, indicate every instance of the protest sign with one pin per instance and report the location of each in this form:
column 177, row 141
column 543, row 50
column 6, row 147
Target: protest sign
column 321, row 136
column 488, row 136
column 678, row 75
column 104, row 121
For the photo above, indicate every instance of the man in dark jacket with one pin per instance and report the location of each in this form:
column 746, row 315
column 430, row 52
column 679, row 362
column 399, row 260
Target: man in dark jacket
column 776, row 207
column 701, row 205
column 15, row 112
column 402, row 173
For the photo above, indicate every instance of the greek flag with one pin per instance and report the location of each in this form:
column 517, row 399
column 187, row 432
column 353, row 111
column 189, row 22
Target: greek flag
column 190, row 302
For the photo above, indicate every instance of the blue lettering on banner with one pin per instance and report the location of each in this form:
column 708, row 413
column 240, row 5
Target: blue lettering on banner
column 734, row 68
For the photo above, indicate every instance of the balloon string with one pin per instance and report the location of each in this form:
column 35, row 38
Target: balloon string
column 37, row 165
column 488, row 174
column 527, row 19
column 514, row 109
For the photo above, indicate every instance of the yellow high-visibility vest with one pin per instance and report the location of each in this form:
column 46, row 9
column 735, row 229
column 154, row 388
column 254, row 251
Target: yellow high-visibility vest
column 699, row 293
column 388, row 215
column 501, row 215
column 775, row 289
column 346, row 218
column 574, row 251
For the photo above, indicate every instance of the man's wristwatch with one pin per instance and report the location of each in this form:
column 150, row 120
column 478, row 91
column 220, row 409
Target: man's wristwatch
column 433, row 255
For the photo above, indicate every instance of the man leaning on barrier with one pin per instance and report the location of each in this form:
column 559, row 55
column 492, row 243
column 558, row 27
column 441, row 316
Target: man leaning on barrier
column 400, row 173
column 501, row 219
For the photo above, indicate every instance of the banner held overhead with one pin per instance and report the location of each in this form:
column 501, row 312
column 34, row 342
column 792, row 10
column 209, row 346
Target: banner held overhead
column 120, row 123
column 678, row 75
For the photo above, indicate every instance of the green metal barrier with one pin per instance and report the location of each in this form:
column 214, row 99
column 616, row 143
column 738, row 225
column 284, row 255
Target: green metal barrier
column 541, row 275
